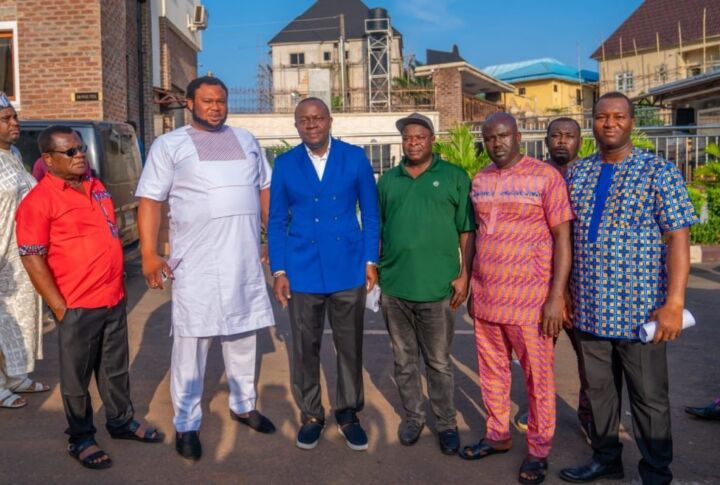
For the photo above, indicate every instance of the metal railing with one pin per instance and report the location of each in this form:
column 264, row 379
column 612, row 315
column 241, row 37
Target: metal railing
column 682, row 145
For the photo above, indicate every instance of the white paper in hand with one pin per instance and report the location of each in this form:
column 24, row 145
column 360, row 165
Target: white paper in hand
column 647, row 331
column 372, row 302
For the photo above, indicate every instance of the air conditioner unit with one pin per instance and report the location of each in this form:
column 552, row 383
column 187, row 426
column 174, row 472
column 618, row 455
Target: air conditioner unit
column 199, row 20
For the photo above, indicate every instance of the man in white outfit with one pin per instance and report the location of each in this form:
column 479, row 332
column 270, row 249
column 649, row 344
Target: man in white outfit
column 216, row 179
column 20, row 325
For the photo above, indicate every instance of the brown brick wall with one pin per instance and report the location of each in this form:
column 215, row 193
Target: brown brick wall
column 178, row 66
column 448, row 97
column 7, row 10
column 59, row 58
column 132, row 65
column 69, row 46
column 114, row 60
column 183, row 67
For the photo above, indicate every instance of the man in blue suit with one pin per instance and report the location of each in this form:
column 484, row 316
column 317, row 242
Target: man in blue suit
column 324, row 261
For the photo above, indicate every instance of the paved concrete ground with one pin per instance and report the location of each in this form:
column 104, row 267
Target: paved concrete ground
column 32, row 444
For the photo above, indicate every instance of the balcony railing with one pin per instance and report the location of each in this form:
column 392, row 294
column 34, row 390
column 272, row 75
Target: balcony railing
column 476, row 110
column 681, row 146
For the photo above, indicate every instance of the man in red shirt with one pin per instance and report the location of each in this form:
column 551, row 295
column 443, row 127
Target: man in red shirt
column 68, row 242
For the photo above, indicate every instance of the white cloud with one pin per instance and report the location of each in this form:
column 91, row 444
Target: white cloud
column 437, row 13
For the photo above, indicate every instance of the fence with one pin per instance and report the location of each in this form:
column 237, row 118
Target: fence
column 678, row 144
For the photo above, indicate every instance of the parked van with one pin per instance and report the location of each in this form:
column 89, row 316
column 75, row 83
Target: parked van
column 114, row 156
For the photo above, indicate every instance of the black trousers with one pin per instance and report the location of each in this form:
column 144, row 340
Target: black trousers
column 644, row 366
column 345, row 311
column 425, row 328
column 94, row 341
column 584, row 413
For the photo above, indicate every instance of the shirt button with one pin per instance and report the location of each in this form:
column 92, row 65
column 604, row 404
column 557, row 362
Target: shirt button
column 338, row 238
column 334, row 197
column 335, row 218
column 316, row 199
column 317, row 220
column 312, row 242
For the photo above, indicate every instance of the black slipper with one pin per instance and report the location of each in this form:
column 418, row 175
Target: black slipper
column 256, row 421
column 536, row 467
column 89, row 461
column 188, row 445
column 480, row 450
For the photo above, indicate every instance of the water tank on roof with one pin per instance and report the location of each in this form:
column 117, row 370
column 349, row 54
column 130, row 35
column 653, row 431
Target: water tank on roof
column 378, row 20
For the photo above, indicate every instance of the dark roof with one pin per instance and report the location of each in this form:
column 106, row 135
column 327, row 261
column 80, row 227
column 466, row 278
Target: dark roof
column 662, row 17
column 441, row 57
column 315, row 26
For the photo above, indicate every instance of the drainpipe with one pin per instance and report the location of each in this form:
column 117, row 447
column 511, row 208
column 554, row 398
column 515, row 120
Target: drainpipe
column 141, row 80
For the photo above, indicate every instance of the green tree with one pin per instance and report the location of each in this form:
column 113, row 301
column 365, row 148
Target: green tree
column 460, row 149
column 639, row 140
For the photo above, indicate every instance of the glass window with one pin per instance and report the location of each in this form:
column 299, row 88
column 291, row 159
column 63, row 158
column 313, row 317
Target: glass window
column 624, row 81
column 327, row 56
column 521, row 91
column 7, row 64
column 297, row 59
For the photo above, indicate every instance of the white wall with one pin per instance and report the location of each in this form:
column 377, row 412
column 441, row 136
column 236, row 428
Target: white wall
column 272, row 128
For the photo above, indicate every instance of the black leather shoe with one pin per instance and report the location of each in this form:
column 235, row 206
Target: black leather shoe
column 256, row 421
column 449, row 441
column 188, row 445
column 711, row 411
column 409, row 432
column 593, row 471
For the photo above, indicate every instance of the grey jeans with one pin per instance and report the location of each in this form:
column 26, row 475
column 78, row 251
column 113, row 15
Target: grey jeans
column 427, row 328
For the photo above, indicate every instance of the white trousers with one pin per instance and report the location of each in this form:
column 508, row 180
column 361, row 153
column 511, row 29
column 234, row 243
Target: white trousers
column 187, row 372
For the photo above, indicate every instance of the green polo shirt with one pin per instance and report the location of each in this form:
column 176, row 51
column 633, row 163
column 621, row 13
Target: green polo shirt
column 422, row 219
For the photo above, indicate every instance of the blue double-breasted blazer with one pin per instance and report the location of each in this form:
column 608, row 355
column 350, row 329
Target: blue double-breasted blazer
column 313, row 231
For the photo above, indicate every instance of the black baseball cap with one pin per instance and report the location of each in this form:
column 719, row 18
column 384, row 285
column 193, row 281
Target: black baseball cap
column 415, row 119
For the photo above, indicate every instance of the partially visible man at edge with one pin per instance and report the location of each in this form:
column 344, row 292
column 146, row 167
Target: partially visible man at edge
column 85, row 290
column 631, row 262
column 216, row 179
column 20, row 326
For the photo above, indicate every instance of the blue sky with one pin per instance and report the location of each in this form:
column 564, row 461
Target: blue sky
column 487, row 32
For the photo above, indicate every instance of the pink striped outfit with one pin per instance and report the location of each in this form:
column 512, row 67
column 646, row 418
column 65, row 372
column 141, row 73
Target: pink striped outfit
column 512, row 271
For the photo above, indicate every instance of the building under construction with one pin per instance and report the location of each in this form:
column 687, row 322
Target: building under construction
column 340, row 51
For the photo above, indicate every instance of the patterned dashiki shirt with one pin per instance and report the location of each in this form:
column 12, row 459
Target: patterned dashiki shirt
column 619, row 275
column 515, row 208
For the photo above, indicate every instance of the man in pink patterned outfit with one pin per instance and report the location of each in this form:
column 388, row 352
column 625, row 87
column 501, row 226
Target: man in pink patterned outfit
column 521, row 267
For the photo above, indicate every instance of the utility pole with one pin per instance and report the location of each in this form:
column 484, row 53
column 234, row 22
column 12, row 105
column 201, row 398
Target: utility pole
column 342, row 60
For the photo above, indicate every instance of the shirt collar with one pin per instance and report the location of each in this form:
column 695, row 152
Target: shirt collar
column 61, row 184
column 494, row 168
column 432, row 168
column 319, row 157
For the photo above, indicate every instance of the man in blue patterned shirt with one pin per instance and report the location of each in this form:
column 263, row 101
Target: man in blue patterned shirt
column 631, row 265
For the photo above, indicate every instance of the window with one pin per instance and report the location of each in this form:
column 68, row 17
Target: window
column 555, row 88
column 578, row 97
column 327, row 56
column 624, row 81
column 7, row 63
column 379, row 156
column 297, row 59
column 694, row 71
column 521, row 91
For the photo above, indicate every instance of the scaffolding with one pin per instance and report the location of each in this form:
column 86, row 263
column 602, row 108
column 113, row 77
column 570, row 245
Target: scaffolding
column 379, row 39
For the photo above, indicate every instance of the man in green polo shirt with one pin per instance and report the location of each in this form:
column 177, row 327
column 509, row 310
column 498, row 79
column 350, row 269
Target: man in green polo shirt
column 425, row 265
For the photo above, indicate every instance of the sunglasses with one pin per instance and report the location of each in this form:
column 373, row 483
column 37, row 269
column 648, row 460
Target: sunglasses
column 71, row 152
